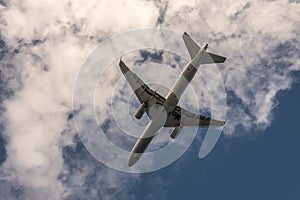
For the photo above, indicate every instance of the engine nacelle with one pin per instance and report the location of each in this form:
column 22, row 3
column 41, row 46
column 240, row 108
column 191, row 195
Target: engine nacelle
column 176, row 131
column 141, row 110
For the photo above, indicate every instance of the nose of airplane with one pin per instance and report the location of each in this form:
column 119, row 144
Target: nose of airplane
column 133, row 158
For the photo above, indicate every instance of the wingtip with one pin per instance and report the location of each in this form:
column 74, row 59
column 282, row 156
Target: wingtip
column 185, row 33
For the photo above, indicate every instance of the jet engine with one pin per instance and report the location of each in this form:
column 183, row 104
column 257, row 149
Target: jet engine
column 141, row 110
column 176, row 131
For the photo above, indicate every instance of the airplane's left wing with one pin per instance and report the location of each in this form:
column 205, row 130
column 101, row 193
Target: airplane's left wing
column 141, row 89
column 193, row 120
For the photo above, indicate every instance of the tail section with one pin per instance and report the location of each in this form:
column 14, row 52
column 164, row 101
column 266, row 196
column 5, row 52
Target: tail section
column 191, row 45
column 212, row 58
column 193, row 48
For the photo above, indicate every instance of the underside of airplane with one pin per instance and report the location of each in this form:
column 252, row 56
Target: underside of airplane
column 164, row 111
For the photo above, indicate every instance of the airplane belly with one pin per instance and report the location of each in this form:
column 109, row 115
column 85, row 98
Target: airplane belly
column 159, row 117
column 181, row 84
column 143, row 142
column 164, row 111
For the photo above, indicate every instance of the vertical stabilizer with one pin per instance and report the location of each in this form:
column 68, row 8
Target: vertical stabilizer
column 191, row 45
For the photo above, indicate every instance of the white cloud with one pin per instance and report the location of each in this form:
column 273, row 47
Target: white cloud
column 260, row 39
column 261, row 42
column 36, row 116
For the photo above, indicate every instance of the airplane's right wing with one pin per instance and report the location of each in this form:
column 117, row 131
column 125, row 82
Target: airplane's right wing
column 193, row 120
column 141, row 89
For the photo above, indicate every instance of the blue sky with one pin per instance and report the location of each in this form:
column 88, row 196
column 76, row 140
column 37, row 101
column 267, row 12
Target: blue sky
column 265, row 166
column 2, row 150
column 43, row 45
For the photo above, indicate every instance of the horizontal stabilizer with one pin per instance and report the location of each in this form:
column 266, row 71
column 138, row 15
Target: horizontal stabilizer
column 212, row 58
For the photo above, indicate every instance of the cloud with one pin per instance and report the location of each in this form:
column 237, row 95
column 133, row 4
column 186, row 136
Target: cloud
column 86, row 178
column 261, row 42
column 45, row 42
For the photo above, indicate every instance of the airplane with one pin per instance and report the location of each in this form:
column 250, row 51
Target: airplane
column 164, row 111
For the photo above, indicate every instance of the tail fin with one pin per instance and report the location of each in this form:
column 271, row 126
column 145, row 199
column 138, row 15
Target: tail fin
column 191, row 45
column 193, row 48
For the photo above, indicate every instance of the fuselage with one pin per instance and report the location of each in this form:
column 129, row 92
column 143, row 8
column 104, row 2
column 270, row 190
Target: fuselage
column 158, row 113
column 184, row 79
